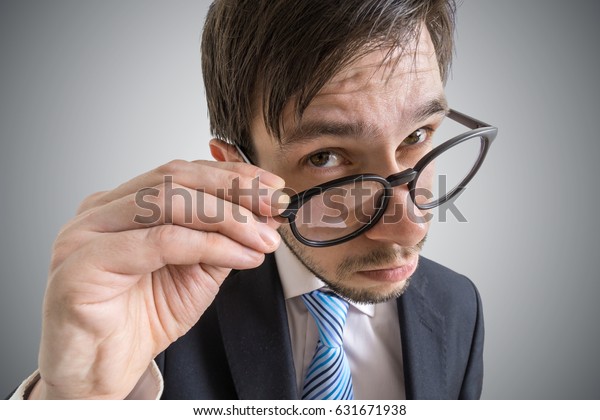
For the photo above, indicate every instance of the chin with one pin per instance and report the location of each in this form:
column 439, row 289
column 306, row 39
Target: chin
column 369, row 294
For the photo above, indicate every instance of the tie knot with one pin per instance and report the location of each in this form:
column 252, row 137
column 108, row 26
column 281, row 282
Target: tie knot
column 329, row 312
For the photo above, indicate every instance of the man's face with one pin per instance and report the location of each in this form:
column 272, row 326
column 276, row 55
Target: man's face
column 362, row 121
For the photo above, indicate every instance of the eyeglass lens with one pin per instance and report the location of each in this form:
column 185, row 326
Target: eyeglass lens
column 339, row 211
column 447, row 171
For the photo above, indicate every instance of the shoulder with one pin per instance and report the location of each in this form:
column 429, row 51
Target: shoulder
column 451, row 293
column 442, row 280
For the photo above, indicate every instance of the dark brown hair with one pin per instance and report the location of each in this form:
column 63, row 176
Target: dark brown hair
column 267, row 52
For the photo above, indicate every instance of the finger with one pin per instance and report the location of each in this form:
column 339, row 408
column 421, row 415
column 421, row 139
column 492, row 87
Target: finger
column 91, row 201
column 143, row 251
column 226, row 179
column 187, row 208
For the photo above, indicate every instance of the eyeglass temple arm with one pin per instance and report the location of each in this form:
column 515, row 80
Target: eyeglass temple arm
column 242, row 154
column 466, row 120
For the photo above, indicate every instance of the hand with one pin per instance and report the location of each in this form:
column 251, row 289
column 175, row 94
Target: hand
column 120, row 291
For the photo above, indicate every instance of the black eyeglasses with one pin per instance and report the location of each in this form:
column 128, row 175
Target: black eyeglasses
column 341, row 209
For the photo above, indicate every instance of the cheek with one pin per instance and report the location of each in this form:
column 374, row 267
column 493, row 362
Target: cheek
column 323, row 261
column 326, row 259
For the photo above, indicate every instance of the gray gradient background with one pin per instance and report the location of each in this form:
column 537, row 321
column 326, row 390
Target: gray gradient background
column 94, row 93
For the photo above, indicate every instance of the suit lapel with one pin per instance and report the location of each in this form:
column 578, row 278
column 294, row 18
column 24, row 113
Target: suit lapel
column 423, row 343
column 254, row 326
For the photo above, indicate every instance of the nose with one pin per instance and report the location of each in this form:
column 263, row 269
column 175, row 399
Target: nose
column 402, row 222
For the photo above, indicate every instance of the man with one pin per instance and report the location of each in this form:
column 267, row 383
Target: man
column 309, row 92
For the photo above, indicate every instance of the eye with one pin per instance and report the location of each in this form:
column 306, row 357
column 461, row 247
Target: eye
column 325, row 159
column 417, row 136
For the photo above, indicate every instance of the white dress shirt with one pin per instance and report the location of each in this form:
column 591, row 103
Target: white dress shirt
column 371, row 341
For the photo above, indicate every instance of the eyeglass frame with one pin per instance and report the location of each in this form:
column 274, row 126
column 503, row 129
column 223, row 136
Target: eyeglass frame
column 409, row 176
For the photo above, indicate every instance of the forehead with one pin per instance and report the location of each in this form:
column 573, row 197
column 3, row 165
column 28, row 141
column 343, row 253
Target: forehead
column 416, row 61
column 380, row 85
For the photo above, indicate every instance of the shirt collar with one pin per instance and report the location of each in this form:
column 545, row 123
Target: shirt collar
column 297, row 280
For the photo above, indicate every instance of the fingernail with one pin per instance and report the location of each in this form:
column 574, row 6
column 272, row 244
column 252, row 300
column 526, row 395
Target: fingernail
column 271, row 180
column 269, row 236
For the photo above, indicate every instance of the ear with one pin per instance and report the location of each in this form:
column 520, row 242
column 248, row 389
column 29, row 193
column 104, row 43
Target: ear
column 224, row 152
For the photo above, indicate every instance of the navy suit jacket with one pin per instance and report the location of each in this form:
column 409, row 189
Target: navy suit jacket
column 240, row 348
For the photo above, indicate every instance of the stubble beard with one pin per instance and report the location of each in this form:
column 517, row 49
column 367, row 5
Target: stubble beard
column 350, row 265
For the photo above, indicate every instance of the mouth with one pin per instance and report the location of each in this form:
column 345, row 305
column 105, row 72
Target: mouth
column 392, row 274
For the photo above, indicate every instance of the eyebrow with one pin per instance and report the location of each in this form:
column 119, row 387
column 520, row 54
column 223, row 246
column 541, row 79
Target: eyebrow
column 307, row 131
column 433, row 107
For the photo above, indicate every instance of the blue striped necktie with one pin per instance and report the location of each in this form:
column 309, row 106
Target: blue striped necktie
column 328, row 376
